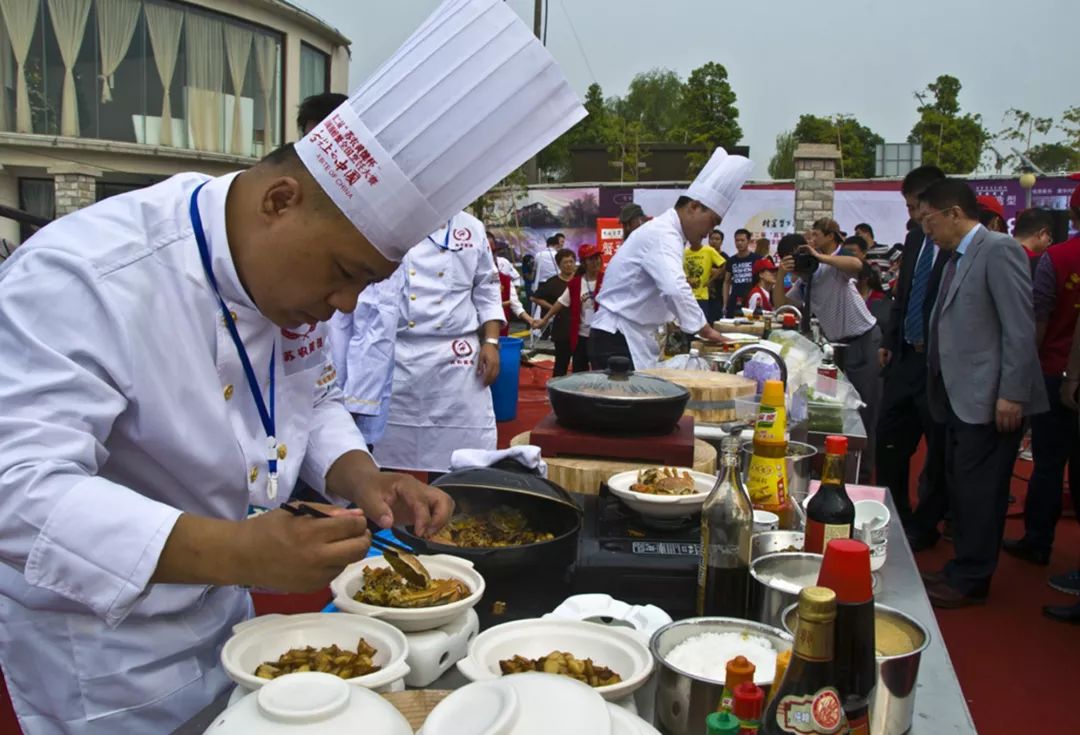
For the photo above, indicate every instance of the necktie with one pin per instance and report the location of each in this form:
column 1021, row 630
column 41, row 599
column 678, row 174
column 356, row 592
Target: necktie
column 946, row 281
column 913, row 319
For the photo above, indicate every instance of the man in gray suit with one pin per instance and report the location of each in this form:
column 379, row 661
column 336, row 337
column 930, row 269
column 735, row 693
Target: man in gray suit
column 984, row 377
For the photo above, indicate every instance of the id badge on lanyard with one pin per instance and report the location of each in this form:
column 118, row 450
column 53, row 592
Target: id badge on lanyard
column 266, row 413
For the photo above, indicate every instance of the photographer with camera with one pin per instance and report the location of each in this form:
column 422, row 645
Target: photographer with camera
column 826, row 279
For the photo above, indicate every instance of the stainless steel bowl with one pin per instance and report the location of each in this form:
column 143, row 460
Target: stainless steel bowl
column 776, row 542
column 776, row 581
column 893, row 706
column 683, row 700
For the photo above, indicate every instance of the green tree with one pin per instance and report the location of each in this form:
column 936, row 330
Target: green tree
column 950, row 140
column 1070, row 125
column 782, row 165
column 654, row 100
column 1020, row 127
column 554, row 160
column 624, row 147
column 857, row 142
column 1055, row 157
column 709, row 116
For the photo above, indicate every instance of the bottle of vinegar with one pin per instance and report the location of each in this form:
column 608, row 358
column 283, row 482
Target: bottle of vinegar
column 727, row 523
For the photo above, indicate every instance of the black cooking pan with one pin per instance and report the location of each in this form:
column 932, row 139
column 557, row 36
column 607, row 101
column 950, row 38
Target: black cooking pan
column 547, row 507
column 617, row 400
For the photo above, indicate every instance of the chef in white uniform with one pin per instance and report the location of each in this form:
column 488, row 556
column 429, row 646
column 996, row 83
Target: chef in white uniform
column 645, row 285
column 447, row 351
column 362, row 344
column 161, row 368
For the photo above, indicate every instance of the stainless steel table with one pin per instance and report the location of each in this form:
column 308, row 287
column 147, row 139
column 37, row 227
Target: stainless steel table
column 940, row 707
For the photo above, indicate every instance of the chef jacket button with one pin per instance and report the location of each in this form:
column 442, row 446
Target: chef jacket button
column 412, row 297
column 412, row 273
column 254, row 474
column 438, row 326
column 440, row 274
column 411, row 324
column 282, row 451
column 228, row 392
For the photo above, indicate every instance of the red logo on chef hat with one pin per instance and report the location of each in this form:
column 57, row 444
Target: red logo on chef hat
column 462, row 234
column 461, row 347
column 287, row 334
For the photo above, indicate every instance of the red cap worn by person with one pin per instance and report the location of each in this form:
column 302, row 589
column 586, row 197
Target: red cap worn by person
column 992, row 204
column 1074, row 200
column 588, row 251
column 764, row 264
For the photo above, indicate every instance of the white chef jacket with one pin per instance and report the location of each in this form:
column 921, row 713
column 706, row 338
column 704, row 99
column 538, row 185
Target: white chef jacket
column 507, row 269
column 125, row 404
column 363, row 347
column 645, row 287
column 439, row 402
column 546, row 267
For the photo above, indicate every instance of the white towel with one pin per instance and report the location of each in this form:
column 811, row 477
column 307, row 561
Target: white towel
column 526, row 455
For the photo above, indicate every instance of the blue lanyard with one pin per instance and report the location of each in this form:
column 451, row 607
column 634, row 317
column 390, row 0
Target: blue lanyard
column 446, row 240
column 266, row 416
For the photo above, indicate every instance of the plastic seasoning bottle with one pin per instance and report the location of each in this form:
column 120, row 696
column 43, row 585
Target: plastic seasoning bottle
column 721, row 723
column 766, row 479
column 830, row 513
column 739, row 671
column 783, row 660
column 749, row 706
column 808, row 702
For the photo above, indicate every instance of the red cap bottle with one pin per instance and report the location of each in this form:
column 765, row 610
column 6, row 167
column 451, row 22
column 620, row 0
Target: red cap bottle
column 846, row 571
column 749, row 706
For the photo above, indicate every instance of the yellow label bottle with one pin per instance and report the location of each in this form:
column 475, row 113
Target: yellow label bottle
column 766, row 479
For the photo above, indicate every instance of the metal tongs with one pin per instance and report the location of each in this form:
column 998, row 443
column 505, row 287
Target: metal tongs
column 397, row 556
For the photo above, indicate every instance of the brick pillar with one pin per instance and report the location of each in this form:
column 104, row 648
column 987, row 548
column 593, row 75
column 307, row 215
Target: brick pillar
column 76, row 187
column 815, row 182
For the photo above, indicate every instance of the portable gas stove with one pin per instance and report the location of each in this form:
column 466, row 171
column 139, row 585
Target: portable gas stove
column 638, row 560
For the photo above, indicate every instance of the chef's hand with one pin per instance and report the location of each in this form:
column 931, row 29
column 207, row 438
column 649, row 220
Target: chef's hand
column 710, row 334
column 1068, row 393
column 488, row 364
column 392, row 498
column 287, row 553
column 883, row 356
column 1009, row 415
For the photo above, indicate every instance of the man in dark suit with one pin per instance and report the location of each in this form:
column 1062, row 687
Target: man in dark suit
column 905, row 417
column 984, row 378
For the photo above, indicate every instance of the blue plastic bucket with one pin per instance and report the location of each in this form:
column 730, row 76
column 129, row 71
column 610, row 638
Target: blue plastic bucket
column 504, row 391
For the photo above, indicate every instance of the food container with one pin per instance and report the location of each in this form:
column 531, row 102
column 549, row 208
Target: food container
column 546, row 506
column 622, row 651
column 765, row 521
column 777, row 579
column 410, row 620
column 873, row 533
column 617, row 400
column 893, row 705
column 267, row 637
column 531, row 704
column 606, row 610
column 683, row 699
column 662, row 506
column 776, row 542
column 309, row 703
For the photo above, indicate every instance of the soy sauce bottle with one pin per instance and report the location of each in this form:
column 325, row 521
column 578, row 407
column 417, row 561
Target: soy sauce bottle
column 808, row 702
column 830, row 513
column 727, row 523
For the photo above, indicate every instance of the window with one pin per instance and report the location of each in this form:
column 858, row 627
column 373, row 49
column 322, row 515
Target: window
column 155, row 72
column 314, row 71
column 37, row 197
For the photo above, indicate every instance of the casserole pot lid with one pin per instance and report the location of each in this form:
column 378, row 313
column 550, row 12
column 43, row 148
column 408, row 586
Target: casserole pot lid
column 490, row 478
column 619, row 382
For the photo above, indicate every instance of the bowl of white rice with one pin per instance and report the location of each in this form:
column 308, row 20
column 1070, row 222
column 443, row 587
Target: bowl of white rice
column 693, row 656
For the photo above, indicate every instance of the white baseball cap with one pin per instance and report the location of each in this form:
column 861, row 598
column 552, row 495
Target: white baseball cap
column 720, row 181
column 470, row 96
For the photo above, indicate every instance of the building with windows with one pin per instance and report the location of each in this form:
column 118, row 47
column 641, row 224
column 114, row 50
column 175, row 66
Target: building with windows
column 101, row 96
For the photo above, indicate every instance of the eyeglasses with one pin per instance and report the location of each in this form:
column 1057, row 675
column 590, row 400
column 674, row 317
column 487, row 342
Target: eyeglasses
column 927, row 217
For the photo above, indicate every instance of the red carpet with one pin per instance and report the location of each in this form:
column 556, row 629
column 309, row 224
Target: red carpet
column 1017, row 668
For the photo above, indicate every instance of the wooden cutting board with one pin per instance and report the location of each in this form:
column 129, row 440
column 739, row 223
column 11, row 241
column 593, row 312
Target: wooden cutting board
column 712, row 395
column 585, row 474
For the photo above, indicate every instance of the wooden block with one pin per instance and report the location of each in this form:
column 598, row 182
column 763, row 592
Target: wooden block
column 712, row 395
column 584, row 474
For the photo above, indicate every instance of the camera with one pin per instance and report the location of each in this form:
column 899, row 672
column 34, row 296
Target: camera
column 805, row 262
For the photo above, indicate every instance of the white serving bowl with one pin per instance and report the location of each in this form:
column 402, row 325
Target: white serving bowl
column 309, row 703
column 662, row 506
column 410, row 620
column 266, row 637
column 622, row 651
column 522, row 704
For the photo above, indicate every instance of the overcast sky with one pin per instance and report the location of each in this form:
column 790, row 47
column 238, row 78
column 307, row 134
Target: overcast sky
column 789, row 57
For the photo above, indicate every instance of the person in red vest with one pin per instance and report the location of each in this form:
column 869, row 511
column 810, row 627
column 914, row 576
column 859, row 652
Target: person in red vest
column 1055, row 439
column 764, row 280
column 580, row 298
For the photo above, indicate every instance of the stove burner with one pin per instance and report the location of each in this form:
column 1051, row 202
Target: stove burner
column 616, row 520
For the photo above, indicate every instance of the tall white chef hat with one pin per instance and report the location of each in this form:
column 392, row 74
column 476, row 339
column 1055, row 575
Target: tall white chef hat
column 469, row 97
column 720, row 181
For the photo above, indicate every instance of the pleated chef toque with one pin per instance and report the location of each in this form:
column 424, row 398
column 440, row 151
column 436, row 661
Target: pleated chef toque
column 720, row 181
column 469, row 97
